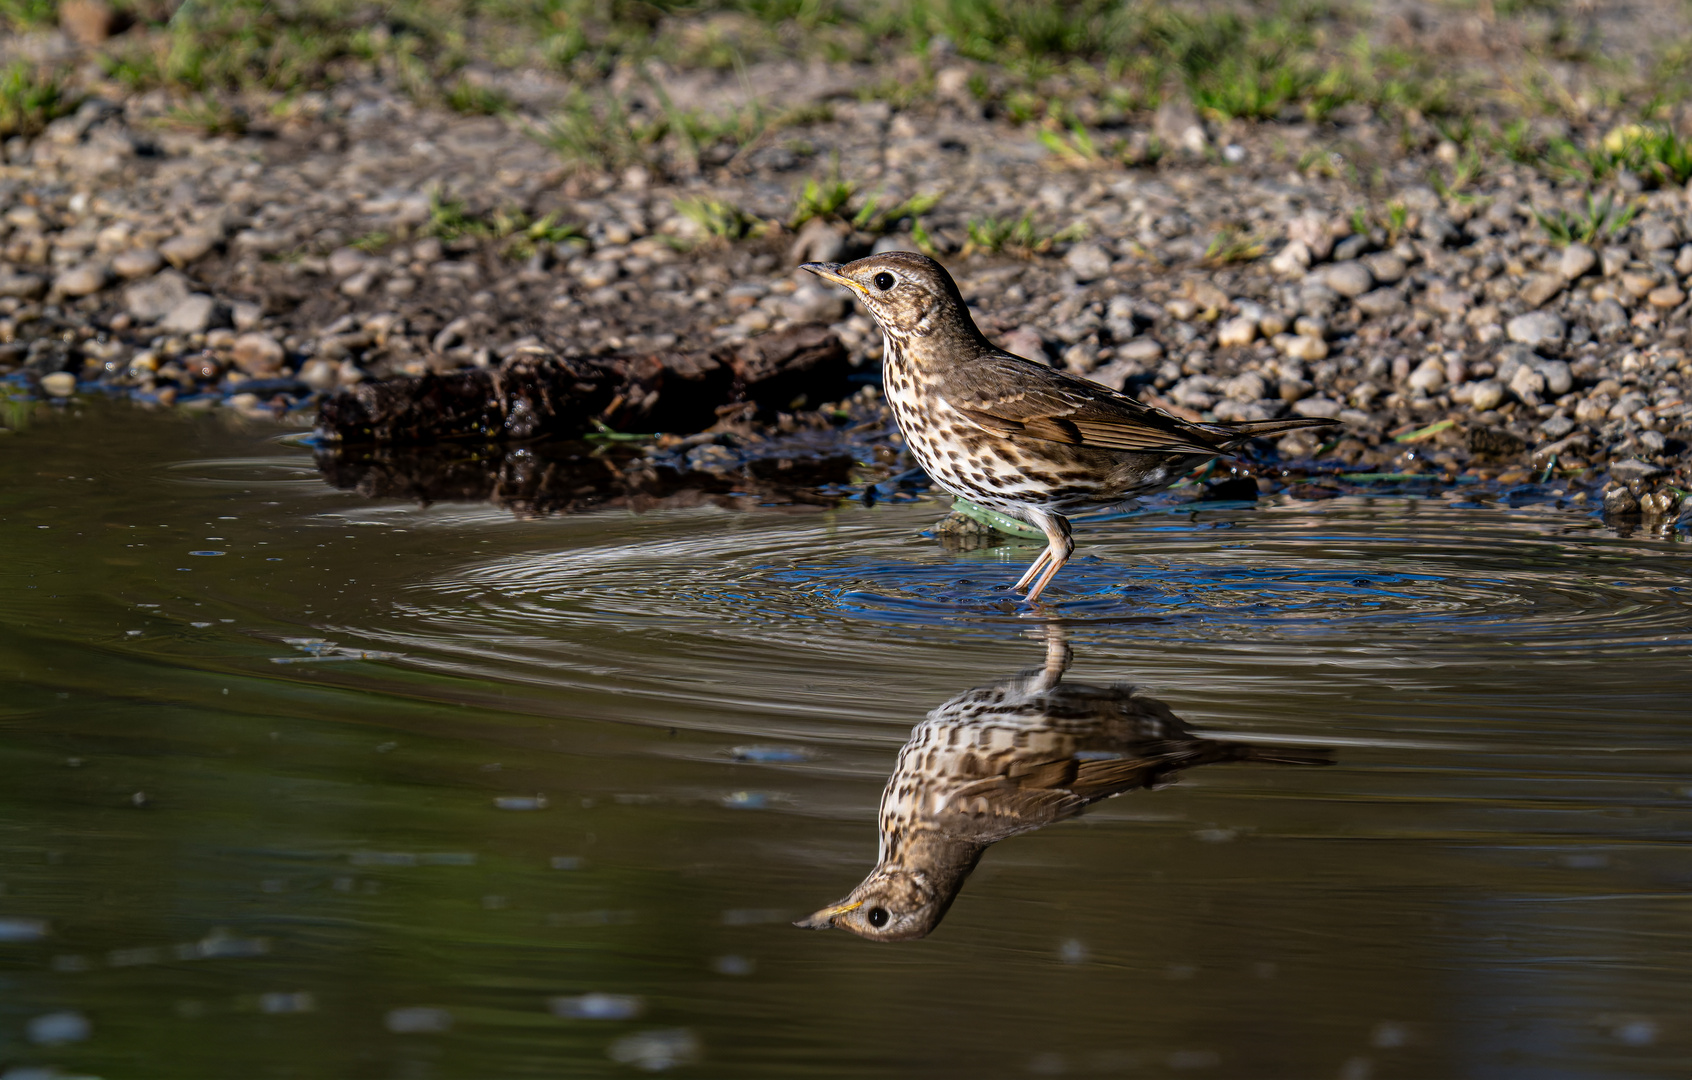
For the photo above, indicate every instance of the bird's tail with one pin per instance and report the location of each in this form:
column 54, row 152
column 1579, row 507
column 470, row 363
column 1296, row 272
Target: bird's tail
column 1240, row 431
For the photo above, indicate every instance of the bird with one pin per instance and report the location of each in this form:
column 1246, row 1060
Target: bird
column 1007, row 758
column 1011, row 434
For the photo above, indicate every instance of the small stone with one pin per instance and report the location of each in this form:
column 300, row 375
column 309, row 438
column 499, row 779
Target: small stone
column 1666, row 296
column 1683, row 261
column 246, row 315
column 1141, row 350
column 1429, row 378
column 598, row 274
column 1081, row 358
column 1317, row 406
column 1292, row 260
column 151, row 300
column 84, row 280
column 1315, row 232
column 258, row 354
column 319, row 374
column 1528, row 385
column 345, row 262
column 1236, row 331
column 1658, row 236
column 819, row 240
column 1303, row 347
column 1577, row 261
column 1487, row 395
column 192, row 316
column 1620, row 502
column 1556, row 426
column 359, row 284
column 1349, row 278
column 1539, row 288
column 1448, row 301
column 1628, row 470
column 22, row 286
column 1559, row 379
column 59, row 384
column 1614, row 260
column 137, row 263
column 1088, row 262
column 1537, row 328
column 87, row 22
column 190, row 246
column 1387, row 267
column 1637, row 283
column 1381, row 303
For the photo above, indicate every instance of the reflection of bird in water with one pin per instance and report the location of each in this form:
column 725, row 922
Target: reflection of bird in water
column 1009, row 758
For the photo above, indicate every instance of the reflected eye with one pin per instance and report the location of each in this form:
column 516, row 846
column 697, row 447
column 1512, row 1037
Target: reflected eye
column 878, row 915
column 883, row 281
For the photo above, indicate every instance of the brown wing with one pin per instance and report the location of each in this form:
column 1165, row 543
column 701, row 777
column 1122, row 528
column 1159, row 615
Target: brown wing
column 1011, row 396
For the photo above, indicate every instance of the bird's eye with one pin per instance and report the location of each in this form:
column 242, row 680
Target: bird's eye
column 883, row 281
column 878, row 915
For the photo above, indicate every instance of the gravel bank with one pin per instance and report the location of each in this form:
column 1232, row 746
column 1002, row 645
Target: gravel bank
column 1247, row 273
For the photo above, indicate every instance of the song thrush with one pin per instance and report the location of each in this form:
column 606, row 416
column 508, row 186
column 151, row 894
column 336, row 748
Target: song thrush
column 1010, row 758
column 1011, row 434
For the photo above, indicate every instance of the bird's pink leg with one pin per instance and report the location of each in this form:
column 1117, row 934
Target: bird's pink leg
column 1034, row 569
column 1059, row 547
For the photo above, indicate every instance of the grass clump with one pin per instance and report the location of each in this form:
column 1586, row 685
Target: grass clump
column 721, row 222
column 1602, row 218
column 1653, row 153
column 30, row 98
column 516, row 236
column 833, row 199
column 1018, row 237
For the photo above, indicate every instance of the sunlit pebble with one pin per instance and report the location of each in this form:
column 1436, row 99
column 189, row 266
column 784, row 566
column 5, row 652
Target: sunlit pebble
column 299, row 1001
column 418, row 1020
column 1072, row 952
column 656, row 1050
column 566, row 862
column 733, row 965
column 1233, row 153
column 597, row 1006
column 520, row 802
column 53, row 1029
column 15, row 930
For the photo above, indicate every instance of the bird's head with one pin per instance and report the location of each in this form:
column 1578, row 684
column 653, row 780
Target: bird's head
column 892, row 904
column 910, row 295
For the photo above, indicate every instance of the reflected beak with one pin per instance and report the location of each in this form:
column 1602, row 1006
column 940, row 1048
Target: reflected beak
column 824, row 919
column 831, row 271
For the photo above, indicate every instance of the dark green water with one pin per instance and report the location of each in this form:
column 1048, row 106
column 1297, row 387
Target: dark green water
column 382, row 791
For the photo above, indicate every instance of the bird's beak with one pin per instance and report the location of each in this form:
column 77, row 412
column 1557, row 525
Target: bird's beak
column 831, row 271
column 824, row 919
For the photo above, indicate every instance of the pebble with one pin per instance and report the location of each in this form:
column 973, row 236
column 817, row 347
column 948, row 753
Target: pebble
column 1088, row 262
column 258, row 354
column 1537, row 328
column 1487, row 395
column 1666, row 296
column 1381, row 303
column 151, row 300
column 191, row 316
column 1540, row 288
column 1350, row 278
column 1236, row 331
column 1429, row 377
column 188, row 247
column 84, row 280
column 1576, row 261
column 1302, row 346
column 59, row 384
column 137, row 263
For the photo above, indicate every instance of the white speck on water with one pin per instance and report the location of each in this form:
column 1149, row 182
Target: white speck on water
column 1636, row 1033
column 520, row 802
column 1389, row 1035
column 282, row 1002
column 54, row 1029
column 597, row 1006
column 418, row 1020
column 1073, row 951
column 746, row 800
column 656, row 1050
column 734, row 965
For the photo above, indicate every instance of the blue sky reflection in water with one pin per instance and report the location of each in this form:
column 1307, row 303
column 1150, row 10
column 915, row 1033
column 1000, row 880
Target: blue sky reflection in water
column 394, row 791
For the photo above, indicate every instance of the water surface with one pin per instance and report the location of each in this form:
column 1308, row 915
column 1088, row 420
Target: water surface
column 294, row 783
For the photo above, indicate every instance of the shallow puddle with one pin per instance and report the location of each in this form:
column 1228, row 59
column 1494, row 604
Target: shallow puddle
column 299, row 784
